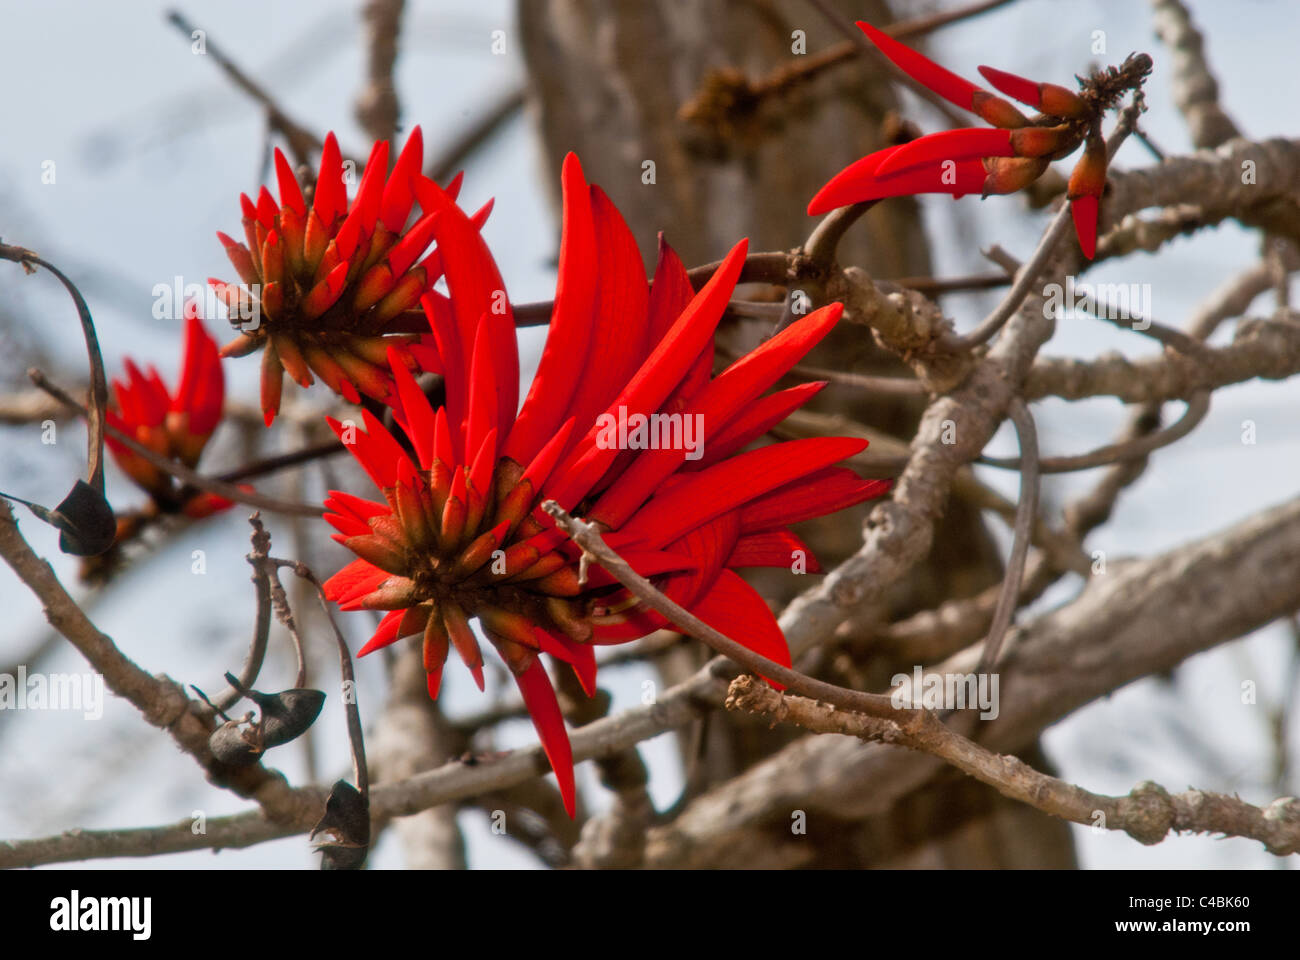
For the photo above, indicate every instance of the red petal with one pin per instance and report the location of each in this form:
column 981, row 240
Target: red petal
column 150, row 397
column 733, row 482
column 485, row 461
column 542, row 465
column 483, row 393
column 971, row 143
column 570, row 331
column 442, row 438
column 539, row 698
column 580, row 656
column 412, row 410
column 956, row 90
column 358, row 507
column 399, row 192
column 478, row 294
column 346, row 580
column 1084, row 211
column 452, row 189
column 758, row 418
column 656, row 378
column 858, row 182
column 648, row 563
column 290, row 192
column 826, row 491
column 735, row 609
column 669, row 294
column 711, row 544
column 347, row 525
column 619, row 334
column 386, row 450
column 717, row 403
column 410, row 247
column 365, row 205
column 772, row 548
column 450, row 351
column 267, row 209
column 202, row 388
column 361, row 450
column 331, row 198
column 386, row 634
column 1026, row 91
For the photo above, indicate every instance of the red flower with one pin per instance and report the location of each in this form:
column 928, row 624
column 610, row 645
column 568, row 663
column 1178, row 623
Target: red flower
column 331, row 286
column 986, row 161
column 460, row 533
column 176, row 426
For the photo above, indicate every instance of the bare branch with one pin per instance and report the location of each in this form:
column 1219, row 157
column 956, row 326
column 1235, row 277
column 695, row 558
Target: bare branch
column 1195, row 91
column 377, row 109
column 1148, row 814
column 1264, row 348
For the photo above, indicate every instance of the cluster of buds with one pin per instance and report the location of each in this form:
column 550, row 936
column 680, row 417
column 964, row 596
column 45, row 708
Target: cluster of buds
column 330, row 286
column 174, row 425
column 1001, row 160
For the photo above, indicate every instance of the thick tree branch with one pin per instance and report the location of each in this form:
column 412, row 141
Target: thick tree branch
column 1267, row 348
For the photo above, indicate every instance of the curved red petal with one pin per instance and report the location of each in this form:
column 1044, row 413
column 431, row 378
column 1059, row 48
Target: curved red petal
column 399, row 191
column 386, row 634
column 619, row 322
column 734, row 608
column 412, row 410
column 567, row 341
column 539, row 697
column 772, row 548
column 970, row 143
column 956, row 90
column 653, row 382
column 670, row 293
column 1084, row 212
column 754, row 421
column 331, row 199
column 816, row 495
column 1026, row 91
column 734, row 482
column 290, row 192
column 859, row 182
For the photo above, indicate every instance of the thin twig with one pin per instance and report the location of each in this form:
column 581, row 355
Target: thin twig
column 894, row 386
column 1027, row 277
column 356, row 737
column 293, row 458
column 248, row 674
column 587, row 536
column 745, row 94
column 825, row 239
column 98, row 382
column 868, row 50
column 177, row 469
column 1197, row 407
column 1147, row 814
column 302, row 142
column 937, row 286
column 1026, row 516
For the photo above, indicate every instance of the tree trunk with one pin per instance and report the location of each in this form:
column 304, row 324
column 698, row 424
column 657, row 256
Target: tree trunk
column 652, row 95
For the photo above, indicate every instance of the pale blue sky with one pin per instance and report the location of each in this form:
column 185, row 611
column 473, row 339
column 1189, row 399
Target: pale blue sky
column 152, row 146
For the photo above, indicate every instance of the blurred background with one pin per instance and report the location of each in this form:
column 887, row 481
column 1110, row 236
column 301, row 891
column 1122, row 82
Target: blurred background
column 151, row 143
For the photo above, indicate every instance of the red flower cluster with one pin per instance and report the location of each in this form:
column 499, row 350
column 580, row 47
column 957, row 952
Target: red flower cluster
column 460, row 533
column 173, row 425
column 332, row 286
column 989, row 161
